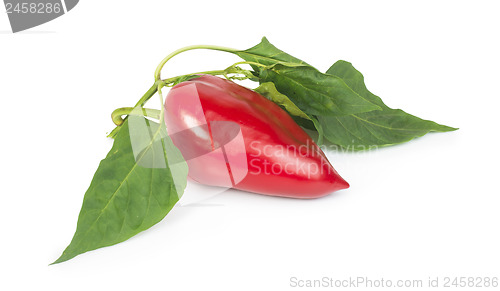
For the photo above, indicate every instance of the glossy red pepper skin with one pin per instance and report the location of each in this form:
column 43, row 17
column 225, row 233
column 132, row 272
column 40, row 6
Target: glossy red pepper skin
column 234, row 137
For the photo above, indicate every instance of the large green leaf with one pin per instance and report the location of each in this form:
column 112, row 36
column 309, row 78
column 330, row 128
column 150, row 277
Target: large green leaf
column 375, row 128
column 134, row 187
column 314, row 92
column 310, row 90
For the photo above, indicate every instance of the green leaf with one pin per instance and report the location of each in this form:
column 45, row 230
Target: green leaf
column 267, row 54
column 269, row 91
column 316, row 93
column 375, row 128
column 134, row 187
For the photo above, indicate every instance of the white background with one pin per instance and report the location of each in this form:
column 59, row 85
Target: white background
column 426, row 208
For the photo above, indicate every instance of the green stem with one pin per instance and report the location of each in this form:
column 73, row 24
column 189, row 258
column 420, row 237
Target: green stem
column 173, row 79
column 150, row 93
column 188, row 48
column 118, row 113
column 162, row 111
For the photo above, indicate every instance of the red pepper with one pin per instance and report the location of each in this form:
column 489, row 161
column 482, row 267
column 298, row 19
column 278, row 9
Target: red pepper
column 234, row 137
